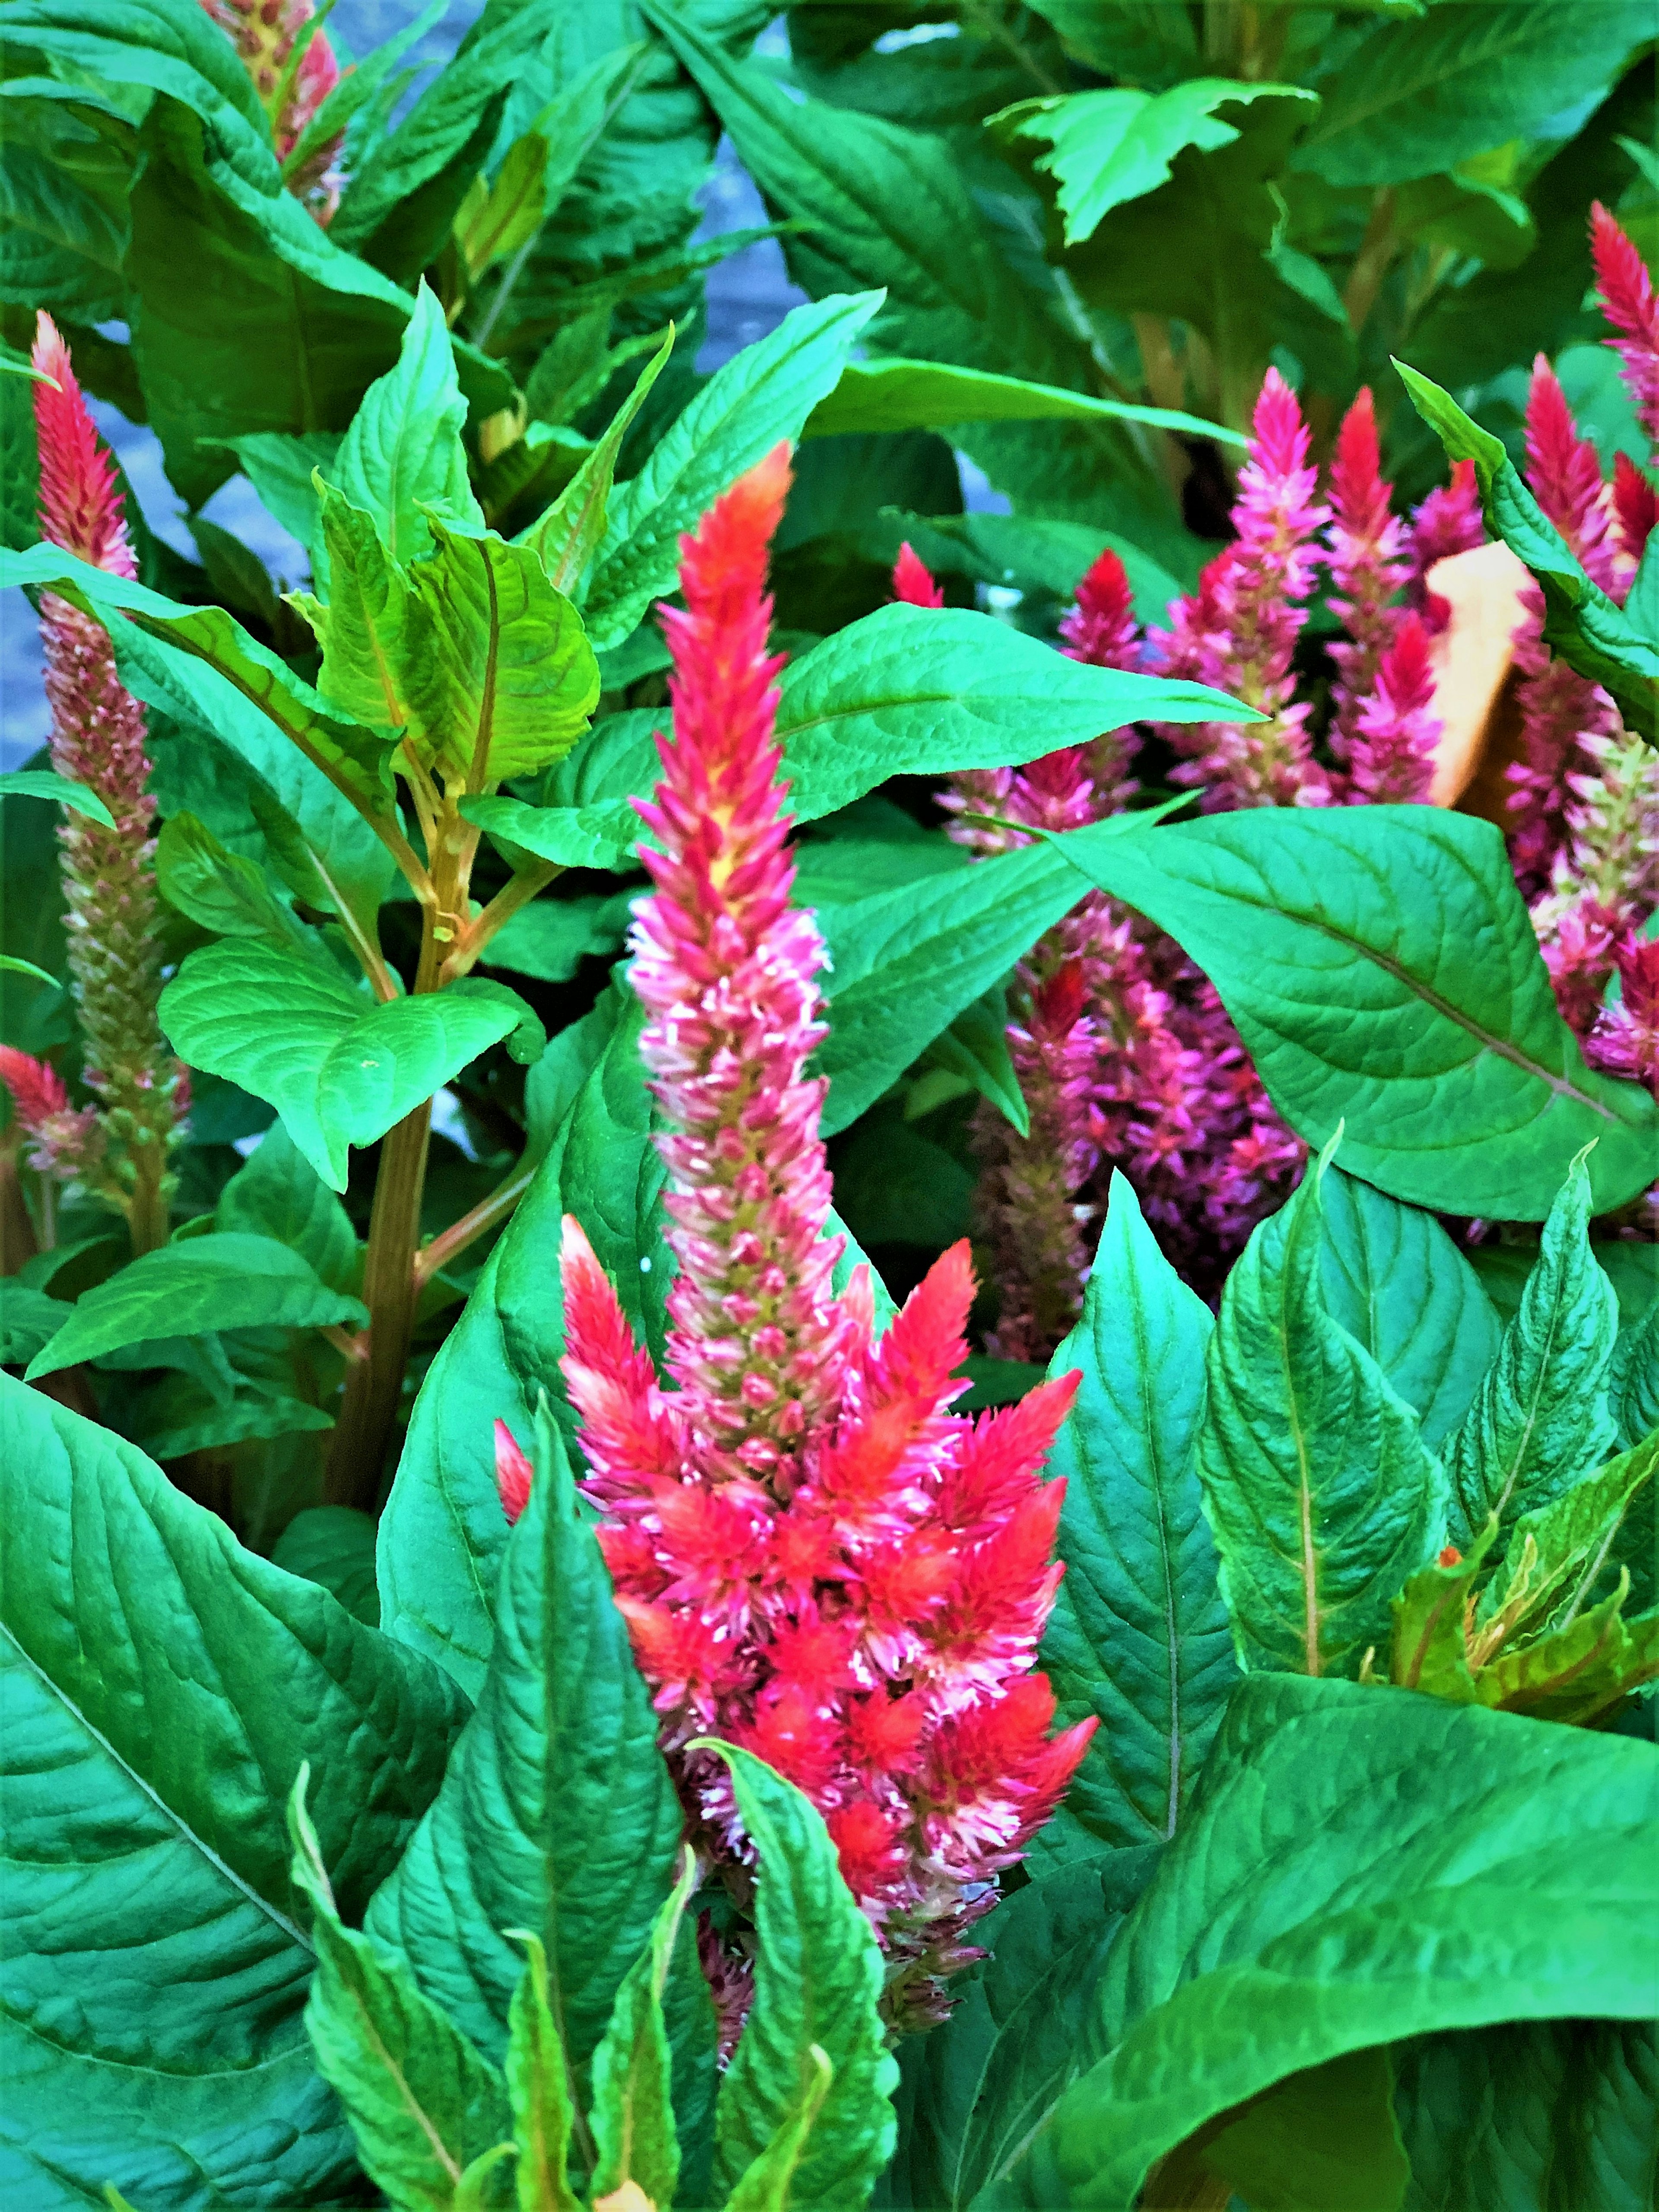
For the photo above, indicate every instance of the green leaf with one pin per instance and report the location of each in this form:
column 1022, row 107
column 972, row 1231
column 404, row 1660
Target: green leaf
column 333, row 1545
column 1560, row 1554
column 1396, row 1281
column 1337, row 944
column 42, row 783
column 1138, row 1636
column 1633, row 1378
column 1321, row 1493
column 540, row 167
column 633, row 2112
column 403, row 453
column 283, row 469
column 763, row 394
column 1415, row 97
column 423, row 2103
column 339, row 1066
column 156, row 1969
column 1540, row 1420
column 932, row 395
column 277, row 1193
column 1323, row 2140
column 1288, row 1925
column 29, row 1320
column 11, row 966
column 570, row 533
column 470, row 651
column 550, row 938
column 562, row 1753
column 907, row 963
column 1579, row 1672
column 222, row 1280
column 1109, row 147
column 539, row 2087
column 767, row 2184
column 355, row 759
column 221, row 890
column 63, row 179
column 975, row 1048
column 1589, row 631
column 1538, row 2115
column 817, row 1978
column 1427, row 1651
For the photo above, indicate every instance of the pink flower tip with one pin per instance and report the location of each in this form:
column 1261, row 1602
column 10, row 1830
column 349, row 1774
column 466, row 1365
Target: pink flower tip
column 37, row 1089
column 913, row 584
column 81, row 505
column 1101, row 629
column 1634, row 504
column 1359, row 497
column 723, row 563
column 512, row 1473
column 1278, row 432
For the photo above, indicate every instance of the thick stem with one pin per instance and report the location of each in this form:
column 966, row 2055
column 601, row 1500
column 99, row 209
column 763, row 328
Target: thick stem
column 485, row 1215
column 149, row 1216
column 357, row 1448
column 1371, row 264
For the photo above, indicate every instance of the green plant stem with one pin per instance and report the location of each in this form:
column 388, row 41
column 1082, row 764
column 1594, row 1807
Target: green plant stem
column 1371, row 264
column 374, row 1384
column 473, row 1224
column 148, row 1222
column 469, row 945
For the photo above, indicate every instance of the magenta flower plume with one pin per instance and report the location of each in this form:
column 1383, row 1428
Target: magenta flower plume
column 108, row 874
column 1239, row 631
column 1447, row 522
column 1565, row 475
column 816, row 1559
column 1605, row 882
column 1367, row 566
column 1396, row 728
column 1635, row 508
column 64, row 1141
column 1625, row 1040
column 266, row 33
column 1629, row 304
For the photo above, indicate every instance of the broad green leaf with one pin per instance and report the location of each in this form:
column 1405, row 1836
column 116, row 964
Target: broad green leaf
column 1579, row 1672
column 283, row 468
column 550, row 938
column 1106, row 147
column 29, row 1320
column 333, row 1545
column 156, row 1971
column 1633, row 1379
column 403, row 451
column 763, row 394
column 314, row 324
column 1138, row 1636
column 63, row 179
column 1323, row 1495
column 878, row 204
column 1539, row 2116
column 1540, row 1420
column 557, row 1813
column 1581, row 1542
column 42, row 783
column 976, row 1049
column 443, row 1533
column 1287, row 1925
column 226, row 1279
column 1590, row 631
column 1394, row 1278
column 817, row 1978
column 1338, row 942
column 980, row 2081
column 355, row 759
column 768, row 2184
column 905, row 964
column 277, row 1193
column 931, row 395
column 1415, row 97
column 424, row 2104
column 540, row 167
column 470, row 650
column 633, row 2109
column 340, row 1066
column 928, row 690
column 1324, row 2140
column 538, row 2084
column 221, row 890
column 570, row 533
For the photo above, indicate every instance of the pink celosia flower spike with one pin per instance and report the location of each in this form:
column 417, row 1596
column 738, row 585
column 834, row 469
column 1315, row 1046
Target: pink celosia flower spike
column 1565, row 475
column 1629, row 304
column 1626, row 1038
column 1366, row 544
column 63, row 1141
column 264, row 32
column 1605, row 882
column 1239, row 631
column 1447, row 522
column 108, row 875
column 815, row 1558
column 1635, row 508
column 1396, row 730
column 912, row 583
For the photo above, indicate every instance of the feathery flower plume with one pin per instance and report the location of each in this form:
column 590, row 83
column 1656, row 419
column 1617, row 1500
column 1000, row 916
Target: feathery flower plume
column 1395, row 729
column 1629, row 304
column 1239, row 631
column 1626, row 1038
column 1635, row 508
column 64, row 1141
column 266, row 32
column 108, row 875
column 1367, row 565
column 1606, row 878
column 815, row 1558
column 1447, row 522
column 1565, row 475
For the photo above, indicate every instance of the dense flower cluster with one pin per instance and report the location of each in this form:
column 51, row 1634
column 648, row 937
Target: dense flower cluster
column 98, row 739
column 817, row 1560
column 266, row 33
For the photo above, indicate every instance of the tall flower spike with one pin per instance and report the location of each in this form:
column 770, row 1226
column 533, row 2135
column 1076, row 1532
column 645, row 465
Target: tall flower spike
column 1629, row 304
column 816, row 1559
column 1565, row 475
column 1635, row 506
column 1395, row 729
column 1239, row 631
column 1447, row 522
column 1367, row 566
column 266, row 32
column 108, row 874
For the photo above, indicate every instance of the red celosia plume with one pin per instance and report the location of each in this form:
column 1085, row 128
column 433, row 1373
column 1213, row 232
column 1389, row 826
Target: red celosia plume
column 1630, row 305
